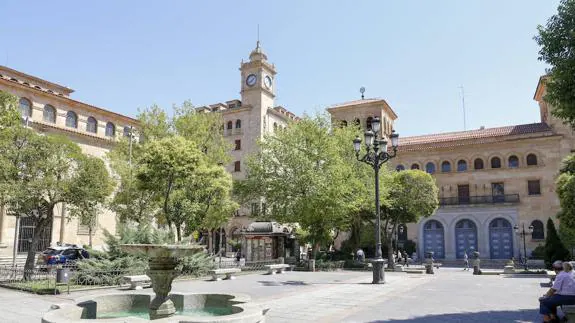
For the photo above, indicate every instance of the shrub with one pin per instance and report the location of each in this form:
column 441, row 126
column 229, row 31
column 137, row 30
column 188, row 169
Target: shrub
column 108, row 272
column 554, row 248
column 196, row 265
column 538, row 252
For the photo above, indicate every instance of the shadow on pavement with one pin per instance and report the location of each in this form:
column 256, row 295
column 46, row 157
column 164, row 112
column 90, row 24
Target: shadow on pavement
column 519, row 316
column 289, row 282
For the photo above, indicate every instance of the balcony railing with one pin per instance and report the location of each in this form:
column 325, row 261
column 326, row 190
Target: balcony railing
column 485, row 199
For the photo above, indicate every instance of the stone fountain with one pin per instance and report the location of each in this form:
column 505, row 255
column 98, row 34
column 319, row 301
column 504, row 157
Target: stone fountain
column 163, row 307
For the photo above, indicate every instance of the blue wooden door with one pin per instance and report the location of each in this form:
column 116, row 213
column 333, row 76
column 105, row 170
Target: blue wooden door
column 465, row 238
column 434, row 239
column 500, row 239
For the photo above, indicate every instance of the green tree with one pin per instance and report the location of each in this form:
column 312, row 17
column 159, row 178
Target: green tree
column 557, row 42
column 302, row 177
column 566, row 192
column 412, row 196
column 554, row 248
column 41, row 171
column 9, row 114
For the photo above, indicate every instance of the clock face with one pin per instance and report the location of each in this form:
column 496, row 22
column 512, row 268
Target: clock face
column 251, row 80
column 268, row 81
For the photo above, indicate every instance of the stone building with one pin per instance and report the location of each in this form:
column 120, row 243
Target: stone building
column 48, row 108
column 489, row 180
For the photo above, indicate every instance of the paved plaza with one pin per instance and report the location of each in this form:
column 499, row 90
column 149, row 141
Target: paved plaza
column 452, row 295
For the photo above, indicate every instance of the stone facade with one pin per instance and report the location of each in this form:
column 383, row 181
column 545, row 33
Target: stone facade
column 48, row 108
column 481, row 201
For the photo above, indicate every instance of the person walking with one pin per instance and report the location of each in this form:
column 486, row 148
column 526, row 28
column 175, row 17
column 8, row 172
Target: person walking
column 465, row 261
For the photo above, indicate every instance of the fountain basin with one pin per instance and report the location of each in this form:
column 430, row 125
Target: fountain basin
column 190, row 307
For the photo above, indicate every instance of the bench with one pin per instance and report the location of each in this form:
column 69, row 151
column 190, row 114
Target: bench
column 278, row 268
column 229, row 272
column 138, row 282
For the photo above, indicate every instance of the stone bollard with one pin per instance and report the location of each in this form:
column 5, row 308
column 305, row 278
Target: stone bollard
column 429, row 263
column 476, row 262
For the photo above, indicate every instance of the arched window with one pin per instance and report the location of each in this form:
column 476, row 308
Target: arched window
column 461, row 165
column 275, row 126
column 25, row 107
column 368, row 123
column 49, row 114
column 230, row 125
column 430, row 168
column 110, row 129
column 399, row 168
column 343, row 123
column 92, row 125
column 238, row 124
column 446, row 167
column 538, row 230
column 127, row 131
column 531, row 160
column 478, row 163
column 356, row 122
column 71, row 119
column 513, row 162
column 415, row 166
column 495, row 162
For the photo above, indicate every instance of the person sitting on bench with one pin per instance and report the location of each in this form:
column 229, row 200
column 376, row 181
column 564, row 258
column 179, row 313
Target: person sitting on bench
column 561, row 293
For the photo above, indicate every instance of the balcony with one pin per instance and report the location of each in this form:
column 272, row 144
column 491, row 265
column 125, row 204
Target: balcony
column 486, row 199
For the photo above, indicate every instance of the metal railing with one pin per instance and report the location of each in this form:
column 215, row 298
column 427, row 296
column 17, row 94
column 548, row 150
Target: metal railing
column 485, row 199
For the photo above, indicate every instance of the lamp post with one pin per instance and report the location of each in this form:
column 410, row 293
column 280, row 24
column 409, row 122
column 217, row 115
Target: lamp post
column 376, row 155
column 523, row 233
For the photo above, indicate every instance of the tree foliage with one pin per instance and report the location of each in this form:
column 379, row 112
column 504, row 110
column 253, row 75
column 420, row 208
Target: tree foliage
column 566, row 192
column 412, row 196
column 557, row 42
column 554, row 248
column 38, row 172
column 303, row 175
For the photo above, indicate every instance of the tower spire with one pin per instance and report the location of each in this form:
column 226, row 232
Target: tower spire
column 258, row 42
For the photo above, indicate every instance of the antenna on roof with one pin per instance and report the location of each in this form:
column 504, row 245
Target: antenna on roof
column 463, row 106
column 362, row 91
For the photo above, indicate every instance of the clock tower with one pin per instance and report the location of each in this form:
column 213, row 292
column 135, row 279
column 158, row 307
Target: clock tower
column 258, row 86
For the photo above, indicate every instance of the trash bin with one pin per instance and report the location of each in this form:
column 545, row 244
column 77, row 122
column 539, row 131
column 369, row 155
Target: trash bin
column 62, row 275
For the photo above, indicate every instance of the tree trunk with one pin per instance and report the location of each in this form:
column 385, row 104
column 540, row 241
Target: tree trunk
column 39, row 228
column 315, row 250
column 90, row 236
column 179, row 233
column 390, row 259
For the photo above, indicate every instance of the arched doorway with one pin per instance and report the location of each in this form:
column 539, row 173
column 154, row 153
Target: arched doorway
column 465, row 238
column 433, row 235
column 500, row 239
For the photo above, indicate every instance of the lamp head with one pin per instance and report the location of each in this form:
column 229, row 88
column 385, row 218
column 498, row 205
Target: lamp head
column 369, row 136
column 394, row 139
column 530, row 229
column 357, row 144
column 376, row 124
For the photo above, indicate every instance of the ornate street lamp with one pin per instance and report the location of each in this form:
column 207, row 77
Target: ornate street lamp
column 523, row 233
column 376, row 155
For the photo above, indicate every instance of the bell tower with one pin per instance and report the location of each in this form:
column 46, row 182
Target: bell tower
column 258, row 81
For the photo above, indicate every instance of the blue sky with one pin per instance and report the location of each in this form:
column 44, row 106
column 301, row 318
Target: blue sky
column 125, row 55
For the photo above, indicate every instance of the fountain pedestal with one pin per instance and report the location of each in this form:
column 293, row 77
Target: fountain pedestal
column 162, row 274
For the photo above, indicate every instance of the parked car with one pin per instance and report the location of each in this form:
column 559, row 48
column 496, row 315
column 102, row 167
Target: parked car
column 61, row 255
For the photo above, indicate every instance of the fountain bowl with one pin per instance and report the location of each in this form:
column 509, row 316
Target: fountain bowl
column 133, row 308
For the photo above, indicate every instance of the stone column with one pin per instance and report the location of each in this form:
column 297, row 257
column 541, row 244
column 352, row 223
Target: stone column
column 63, row 223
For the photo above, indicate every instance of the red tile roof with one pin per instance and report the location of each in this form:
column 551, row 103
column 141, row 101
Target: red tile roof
column 460, row 138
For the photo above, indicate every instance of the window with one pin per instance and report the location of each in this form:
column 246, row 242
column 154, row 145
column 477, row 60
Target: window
column 238, row 124
column 237, row 167
column 461, row 165
column 49, row 114
column 110, row 129
column 534, row 187
column 343, row 123
column 402, row 232
column 368, row 123
column 238, row 144
column 356, row 122
column 495, row 162
column 463, row 194
column 513, row 162
column 430, row 168
column 498, row 192
column 127, row 131
column 92, row 125
column 399, row 168
column 478, row 163
column 538, row 230
column 255, row 208
column 415, row 166
column 531, row 160
column 230, row 125
column 71, row 119
column 275, row 126
column 446, row 167
column 25, row 108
